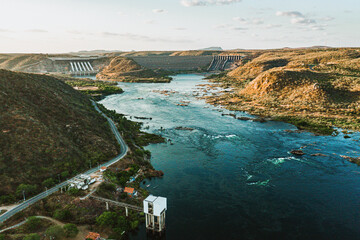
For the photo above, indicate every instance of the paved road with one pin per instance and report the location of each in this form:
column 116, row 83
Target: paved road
column 123, row 148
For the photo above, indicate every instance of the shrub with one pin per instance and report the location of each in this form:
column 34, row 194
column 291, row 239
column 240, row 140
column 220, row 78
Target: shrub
column 27, row 188
column 32, row 223
column 73, row 191
column 48, row 183
column 62, row 214
column 55, row 232
column 70, row 230
column 65, row 174
column 107, row 219
column 32, row 236
column 7, row 199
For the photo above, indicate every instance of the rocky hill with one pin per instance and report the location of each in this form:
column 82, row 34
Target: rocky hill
column 127, row 70
column 48, row 131
column 318, row 87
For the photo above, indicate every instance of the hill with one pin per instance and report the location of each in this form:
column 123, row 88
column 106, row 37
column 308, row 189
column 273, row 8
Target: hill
column 127, row 70
column 315, row 89
column 48, row 131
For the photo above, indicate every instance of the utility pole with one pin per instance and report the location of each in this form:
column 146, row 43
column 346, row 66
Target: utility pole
column 90, row 164
column 59, row 177
column 46, row 191
column 24, row 195
column 98, row 165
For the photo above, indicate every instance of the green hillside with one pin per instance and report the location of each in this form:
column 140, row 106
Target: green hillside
column 48, row 132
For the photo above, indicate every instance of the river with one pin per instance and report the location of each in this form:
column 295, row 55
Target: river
column 232, row 179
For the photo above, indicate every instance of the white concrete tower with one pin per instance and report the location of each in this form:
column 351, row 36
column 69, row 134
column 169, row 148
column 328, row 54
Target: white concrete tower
column 154, row 209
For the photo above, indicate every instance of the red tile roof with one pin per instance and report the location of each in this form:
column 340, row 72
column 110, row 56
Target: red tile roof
column 129, row 190
column 93, row 236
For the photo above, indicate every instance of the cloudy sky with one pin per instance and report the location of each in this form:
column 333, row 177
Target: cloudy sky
column 71, row 25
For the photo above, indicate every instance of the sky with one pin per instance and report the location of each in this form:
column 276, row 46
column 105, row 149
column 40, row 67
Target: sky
column 59, row 26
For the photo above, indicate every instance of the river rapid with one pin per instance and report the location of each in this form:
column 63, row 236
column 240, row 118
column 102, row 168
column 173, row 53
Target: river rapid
column 233, row 179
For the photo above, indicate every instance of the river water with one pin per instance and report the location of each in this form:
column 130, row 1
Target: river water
column 232, row 179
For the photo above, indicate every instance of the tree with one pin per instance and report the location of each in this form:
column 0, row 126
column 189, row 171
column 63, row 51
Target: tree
column 65, row 174
column 27, row 188
column 32, row 236
column 48, row 183
column 107, row 219
column 55, row 232
column 32, row 223
column 70, row 230
column 61, row 214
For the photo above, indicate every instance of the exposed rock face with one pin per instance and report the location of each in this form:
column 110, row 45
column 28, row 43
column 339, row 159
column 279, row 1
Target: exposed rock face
column 125, row 69
column 289, row 86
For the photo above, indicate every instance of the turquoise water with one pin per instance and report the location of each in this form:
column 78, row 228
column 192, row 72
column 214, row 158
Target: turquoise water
column 232, row 179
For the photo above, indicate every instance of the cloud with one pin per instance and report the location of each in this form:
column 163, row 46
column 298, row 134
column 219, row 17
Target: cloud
column 289, row 14
column 239, row 29
column 296, row 17
column 37, row 31
column 158, row 10
column 327, row 19
column 303, row 21
column 197, row 3
column 254, row 21
column 221, row 26
column 317, row 28
column 240, row 19
column 270, row 26
column 4, row 30
column 180, row 29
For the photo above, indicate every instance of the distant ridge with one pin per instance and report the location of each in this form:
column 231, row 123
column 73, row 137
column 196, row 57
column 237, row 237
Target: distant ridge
column 99, row 51
column 211, row 49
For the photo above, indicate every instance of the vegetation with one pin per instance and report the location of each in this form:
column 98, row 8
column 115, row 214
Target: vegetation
column 50, row 130
column 96, row 89
column 32, row 236
column 118, row 223
column 314, row 89
column 32, row 224
column 55, row 232
column 70, row 230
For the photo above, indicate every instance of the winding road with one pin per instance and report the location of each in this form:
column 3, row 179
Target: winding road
column 123, row 148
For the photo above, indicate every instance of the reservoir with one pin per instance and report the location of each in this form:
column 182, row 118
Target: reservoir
column 232, row 179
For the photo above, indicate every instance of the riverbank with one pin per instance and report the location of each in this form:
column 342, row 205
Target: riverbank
column 128, row 172
column 242, row 172
column 317, row 91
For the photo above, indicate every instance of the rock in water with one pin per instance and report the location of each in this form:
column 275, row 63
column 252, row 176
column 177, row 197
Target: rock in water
column 297, row 152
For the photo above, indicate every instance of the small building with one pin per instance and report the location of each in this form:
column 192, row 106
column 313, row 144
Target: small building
column 93, row 236
column 154, row 209
column 129, row 190
column 102, row 169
